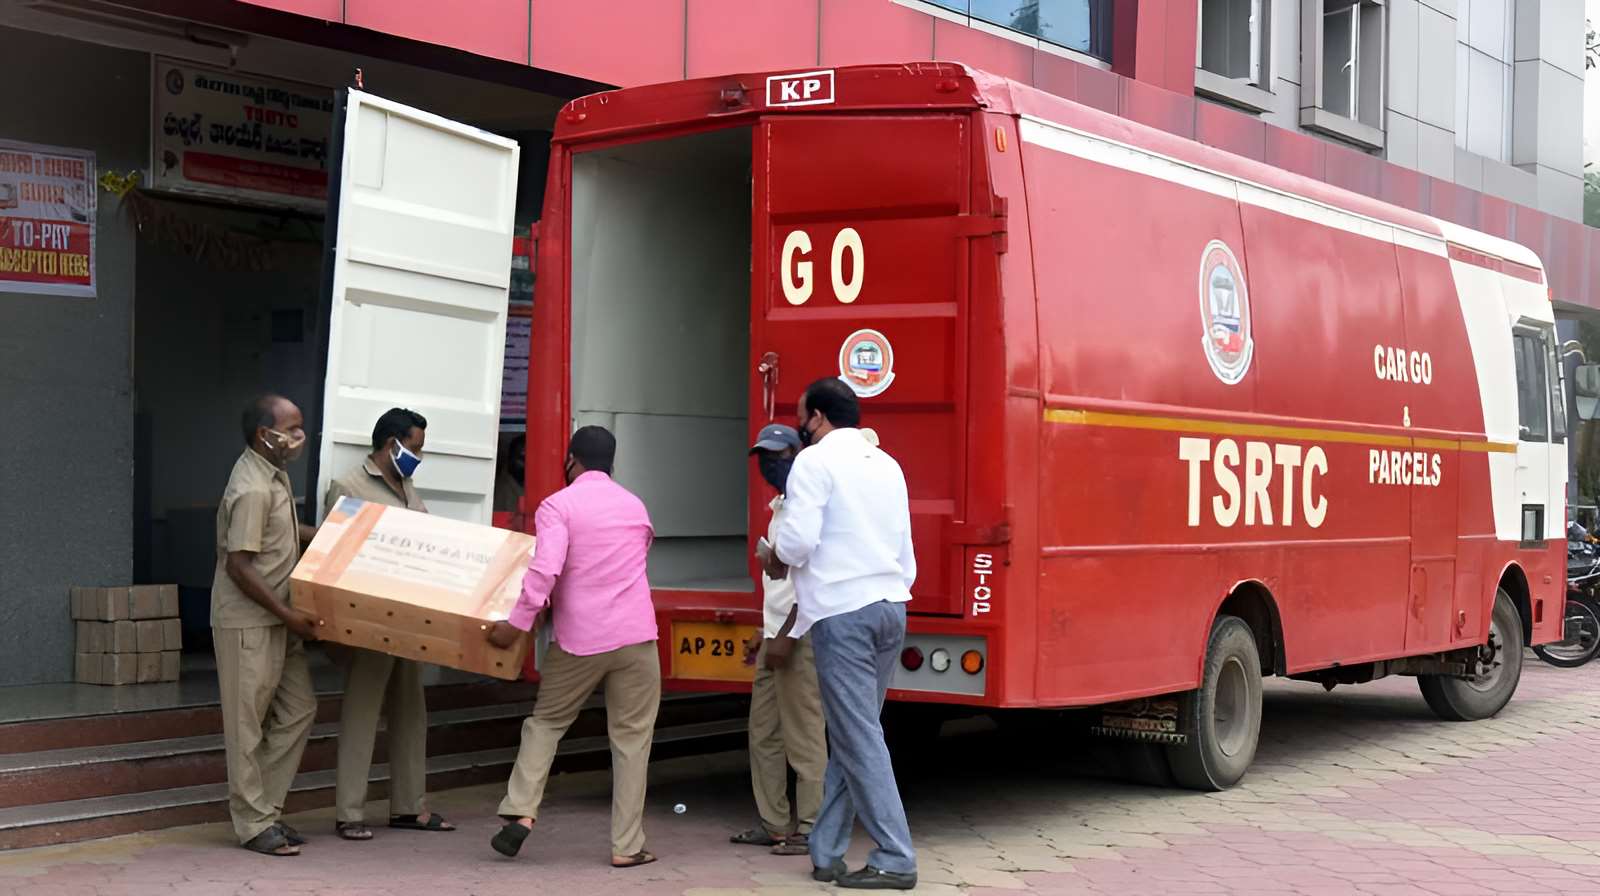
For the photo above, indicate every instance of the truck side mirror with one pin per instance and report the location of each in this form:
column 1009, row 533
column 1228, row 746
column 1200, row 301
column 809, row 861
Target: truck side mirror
column 1586, row 390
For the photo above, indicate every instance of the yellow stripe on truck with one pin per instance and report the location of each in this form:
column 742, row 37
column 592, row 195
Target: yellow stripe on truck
column 1076, row 417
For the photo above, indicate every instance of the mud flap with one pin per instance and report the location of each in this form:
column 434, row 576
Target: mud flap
column 1168, row 719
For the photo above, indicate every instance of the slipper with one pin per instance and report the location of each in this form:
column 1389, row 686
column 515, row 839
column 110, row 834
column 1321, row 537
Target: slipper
column 271, row 842
column 292, row 835
column 435, row 822
column 639, row 858
column 352, row 830
column 508, row 841
column 794, row 845
column 754, row 837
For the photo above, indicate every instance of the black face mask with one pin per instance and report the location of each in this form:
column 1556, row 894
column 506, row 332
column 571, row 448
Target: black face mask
column 775, row 470
column 806, row 435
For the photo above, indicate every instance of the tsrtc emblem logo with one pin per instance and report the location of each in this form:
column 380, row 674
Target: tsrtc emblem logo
column 866, row 363
column 1225, row 312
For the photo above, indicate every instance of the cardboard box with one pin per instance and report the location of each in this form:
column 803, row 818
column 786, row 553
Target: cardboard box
column 170, row 665
column 124, row 636
column 87, row 668
column 92, row 637
column 414, row 585
column 149, row 666
column 172, row 634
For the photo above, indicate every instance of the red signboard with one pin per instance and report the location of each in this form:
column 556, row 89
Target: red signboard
column 47, row 205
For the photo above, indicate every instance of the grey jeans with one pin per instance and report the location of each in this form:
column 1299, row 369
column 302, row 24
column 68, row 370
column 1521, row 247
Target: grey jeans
column 855, row 654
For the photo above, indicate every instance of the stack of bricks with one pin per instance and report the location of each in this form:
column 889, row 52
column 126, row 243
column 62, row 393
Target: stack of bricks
column 127, row 635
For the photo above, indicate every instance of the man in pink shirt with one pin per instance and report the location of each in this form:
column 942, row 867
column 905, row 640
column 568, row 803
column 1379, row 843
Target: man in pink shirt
column 588, row 567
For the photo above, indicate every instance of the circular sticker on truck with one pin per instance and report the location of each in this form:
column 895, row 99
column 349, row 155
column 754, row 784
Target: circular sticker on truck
column 1225, row 313
column 866, row 363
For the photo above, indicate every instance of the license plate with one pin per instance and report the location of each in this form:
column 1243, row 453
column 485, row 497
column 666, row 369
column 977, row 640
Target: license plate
column 711, row 651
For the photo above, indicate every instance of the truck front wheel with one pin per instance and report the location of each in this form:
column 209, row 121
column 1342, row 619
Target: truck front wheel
column 1224, row 715
column 1494, row 680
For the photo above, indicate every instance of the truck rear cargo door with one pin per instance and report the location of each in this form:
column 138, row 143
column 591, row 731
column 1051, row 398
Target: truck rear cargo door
column 860, row 271
column 421, row 225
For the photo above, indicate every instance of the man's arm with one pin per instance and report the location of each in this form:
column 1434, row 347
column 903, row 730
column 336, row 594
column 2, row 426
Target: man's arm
column 246, row 523
column 908, row 557
column 807, row 493
column 782, row 645
column 549, row 558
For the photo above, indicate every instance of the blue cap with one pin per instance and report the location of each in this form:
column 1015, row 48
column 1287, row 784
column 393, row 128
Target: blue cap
column 776, row 437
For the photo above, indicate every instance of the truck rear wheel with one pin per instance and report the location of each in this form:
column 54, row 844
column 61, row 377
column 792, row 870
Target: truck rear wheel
column 1499, row 668
column 1224, row 714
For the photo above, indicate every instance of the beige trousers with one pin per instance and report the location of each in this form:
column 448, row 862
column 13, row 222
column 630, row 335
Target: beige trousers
column 268, row 707
column 632, row 680
column 370, row 677
column 786, row 730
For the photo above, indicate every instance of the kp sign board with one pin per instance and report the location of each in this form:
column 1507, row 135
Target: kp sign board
column 238, row 136
column 802, row 89
column 47, row 206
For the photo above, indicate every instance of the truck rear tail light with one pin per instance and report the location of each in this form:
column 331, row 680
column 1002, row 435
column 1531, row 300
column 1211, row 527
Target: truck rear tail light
column 911, row 658
column 972, row 662
column 939, row 660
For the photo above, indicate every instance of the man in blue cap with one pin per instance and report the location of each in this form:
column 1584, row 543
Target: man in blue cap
column 786, row 727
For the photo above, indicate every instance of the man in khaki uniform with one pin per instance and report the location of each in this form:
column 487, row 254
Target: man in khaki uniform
column 385, row 478
column 786, row 726
column 265, row 688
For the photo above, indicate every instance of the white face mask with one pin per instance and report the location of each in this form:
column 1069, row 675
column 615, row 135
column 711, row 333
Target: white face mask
column 288, row 448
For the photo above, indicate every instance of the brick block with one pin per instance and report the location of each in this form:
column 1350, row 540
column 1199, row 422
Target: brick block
column 119, row 668
column 124, row 637
column 102, row 604
column 148, row 635
column 93, row 637
column 170, row 664
column 169, row 601
column 144, row 602
column 149, row 667
column 172, row 634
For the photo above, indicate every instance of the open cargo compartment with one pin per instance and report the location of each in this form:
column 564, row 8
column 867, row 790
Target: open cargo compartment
column 661, row 340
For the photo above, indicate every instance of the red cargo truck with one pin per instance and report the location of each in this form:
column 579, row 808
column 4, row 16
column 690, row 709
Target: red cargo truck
column 1172, row 420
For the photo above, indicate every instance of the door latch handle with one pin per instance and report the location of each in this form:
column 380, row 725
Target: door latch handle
column 768, row 368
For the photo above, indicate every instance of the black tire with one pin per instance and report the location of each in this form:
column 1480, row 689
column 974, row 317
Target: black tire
column 1500, row 668
column 1581, row 641
column 1224, row 714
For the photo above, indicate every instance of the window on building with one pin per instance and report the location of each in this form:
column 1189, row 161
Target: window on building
column 1352, row 60
column 1485, row 36
column 1081, row 25
column 1235, row 38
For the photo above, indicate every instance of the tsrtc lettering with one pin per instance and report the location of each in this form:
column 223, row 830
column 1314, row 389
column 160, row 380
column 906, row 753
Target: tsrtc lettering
column 1262, row 463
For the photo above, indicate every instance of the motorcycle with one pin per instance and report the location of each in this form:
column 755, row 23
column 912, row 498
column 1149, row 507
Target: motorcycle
column 1581, row 641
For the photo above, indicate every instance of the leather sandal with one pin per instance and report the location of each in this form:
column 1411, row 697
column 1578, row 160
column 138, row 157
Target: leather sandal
column 754, row 837
column 271, row 842
column 508, row 840
column 639, row 858
column 435, row 822
column 352, row 830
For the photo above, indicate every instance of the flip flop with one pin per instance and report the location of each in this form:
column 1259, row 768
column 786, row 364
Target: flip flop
column 639, row 858
column 508, row 840
column 271, row 842
column 353, row 830
column 754, row 837
column 435, row 822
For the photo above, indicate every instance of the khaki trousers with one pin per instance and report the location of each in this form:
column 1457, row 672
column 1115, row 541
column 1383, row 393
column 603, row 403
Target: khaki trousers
column 786, row 730
column 268, row 707
column 632, row 680
column 370, row 677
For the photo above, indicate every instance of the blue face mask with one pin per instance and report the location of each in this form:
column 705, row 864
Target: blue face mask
column 404, row 461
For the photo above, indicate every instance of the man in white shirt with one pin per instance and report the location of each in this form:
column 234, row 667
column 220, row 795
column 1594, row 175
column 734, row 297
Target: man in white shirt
column 846, row 539
column 786, row 726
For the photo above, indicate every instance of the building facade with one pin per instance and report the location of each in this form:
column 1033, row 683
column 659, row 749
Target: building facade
column 122, row 406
